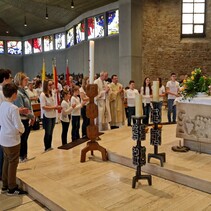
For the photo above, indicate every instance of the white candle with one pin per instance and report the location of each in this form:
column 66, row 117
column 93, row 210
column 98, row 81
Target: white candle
column 91, row 61
column 155, row 91
column 138, row 105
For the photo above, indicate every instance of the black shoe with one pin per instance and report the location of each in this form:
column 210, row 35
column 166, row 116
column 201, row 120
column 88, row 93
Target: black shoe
column 4, row 190
column 16, row 191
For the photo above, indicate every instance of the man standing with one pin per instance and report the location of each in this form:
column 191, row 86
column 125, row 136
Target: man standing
column 116, row 103
column 102, row 100
column 172, row 88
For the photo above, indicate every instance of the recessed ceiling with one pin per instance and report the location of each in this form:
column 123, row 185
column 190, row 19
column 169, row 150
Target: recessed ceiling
column 12, row 13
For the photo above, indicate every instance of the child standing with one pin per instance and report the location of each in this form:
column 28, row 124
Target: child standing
column 65, row 115
column 11, row 130
column 76, row 113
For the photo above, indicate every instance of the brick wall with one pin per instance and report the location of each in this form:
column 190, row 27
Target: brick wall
column 163, row 49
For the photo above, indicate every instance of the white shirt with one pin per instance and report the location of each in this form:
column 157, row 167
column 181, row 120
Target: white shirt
column 161, row 91
column 81, row 89
column 146, row 96
column 77, row 110
column 66, row 110
column 47, row 101
column 31, row 94
column 11, row 125
column 173, row 87
column 130, row 95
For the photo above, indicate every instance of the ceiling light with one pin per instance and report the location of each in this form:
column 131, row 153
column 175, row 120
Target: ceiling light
column 25, row 24
column 46, row 13
column 7, row 32
column 72, row 4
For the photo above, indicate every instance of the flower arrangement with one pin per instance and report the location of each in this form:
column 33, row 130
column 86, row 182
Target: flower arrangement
column 196, row 83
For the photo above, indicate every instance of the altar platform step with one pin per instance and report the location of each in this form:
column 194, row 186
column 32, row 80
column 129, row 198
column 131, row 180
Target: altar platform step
column 190, row 168
column 59, row 181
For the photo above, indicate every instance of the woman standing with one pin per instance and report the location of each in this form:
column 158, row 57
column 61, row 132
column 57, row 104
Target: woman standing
column 48, row 112
column 85, row 99
column 146, row 92
column 28, row 119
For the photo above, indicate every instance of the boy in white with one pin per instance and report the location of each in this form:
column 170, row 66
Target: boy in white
column 11, row 129
column 130, row 97
column 172, row 88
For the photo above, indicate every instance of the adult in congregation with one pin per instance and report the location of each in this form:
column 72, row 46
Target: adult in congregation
column 172, row 89
column 116, row 103
column 33, row 96
column 102, row 100
column 28, row 119
column 48, row 112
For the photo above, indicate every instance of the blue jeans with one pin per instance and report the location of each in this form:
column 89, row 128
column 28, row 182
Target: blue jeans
column 131, row 112
column 171, row 109
column 48, row 125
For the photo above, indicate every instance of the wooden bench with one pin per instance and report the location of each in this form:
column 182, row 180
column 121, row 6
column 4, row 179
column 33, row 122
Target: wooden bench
column 37, row 113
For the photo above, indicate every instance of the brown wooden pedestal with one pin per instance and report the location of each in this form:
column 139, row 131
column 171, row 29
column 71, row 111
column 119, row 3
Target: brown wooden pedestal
column 92, row 129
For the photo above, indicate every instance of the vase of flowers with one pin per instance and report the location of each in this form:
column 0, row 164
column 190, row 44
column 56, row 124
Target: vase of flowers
column 197, row 85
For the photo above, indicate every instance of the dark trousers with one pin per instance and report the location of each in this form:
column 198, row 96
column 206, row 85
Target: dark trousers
column 1, row 159
column 24, row 139
column 146, row 112
column 171, row 109
column 75, row 127
column 48, row 125
column 11, row 159
column 85, row 121
column 65, row 126
column 131, row 112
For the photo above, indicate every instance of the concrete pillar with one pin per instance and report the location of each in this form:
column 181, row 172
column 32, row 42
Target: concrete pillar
column 130, row 41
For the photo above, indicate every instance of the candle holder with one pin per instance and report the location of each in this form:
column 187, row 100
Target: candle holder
column 92, row 129
column 155, row 134
column 139, row 152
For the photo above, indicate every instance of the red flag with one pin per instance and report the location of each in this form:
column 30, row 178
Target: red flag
column 55, row 78
column 67, row 75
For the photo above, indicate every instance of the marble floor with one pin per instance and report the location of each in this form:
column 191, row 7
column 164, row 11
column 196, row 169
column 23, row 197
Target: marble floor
column 59, row 181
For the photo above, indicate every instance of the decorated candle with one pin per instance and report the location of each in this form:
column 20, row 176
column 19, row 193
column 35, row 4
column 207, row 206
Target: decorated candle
column 138, row 105
column 155, row 91
column 91, row 61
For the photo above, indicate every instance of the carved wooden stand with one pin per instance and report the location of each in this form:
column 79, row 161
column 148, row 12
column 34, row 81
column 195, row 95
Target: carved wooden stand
column 92, row 129
column 155, row 134
column 139, row 152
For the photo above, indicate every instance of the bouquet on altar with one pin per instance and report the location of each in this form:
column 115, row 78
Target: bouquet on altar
column 196, row 83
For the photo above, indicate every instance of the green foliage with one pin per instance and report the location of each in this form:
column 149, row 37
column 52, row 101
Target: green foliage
column 197, row 82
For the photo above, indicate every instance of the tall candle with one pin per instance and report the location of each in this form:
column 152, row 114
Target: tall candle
column 155, row 91
column 138, row 105
column 91, row 61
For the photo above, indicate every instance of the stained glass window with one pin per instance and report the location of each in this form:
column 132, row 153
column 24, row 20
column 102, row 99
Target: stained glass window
column 70, row 37
column 14, row 47
column 28, row 47
column 48, row 43
column 37, row 45
column 80, row 32
column 96, row 26
column 193, row 18
column 113, row 22
column 60, row 41
column 1, row 47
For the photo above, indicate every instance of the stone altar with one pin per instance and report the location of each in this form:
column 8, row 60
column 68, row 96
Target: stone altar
column 194, row 123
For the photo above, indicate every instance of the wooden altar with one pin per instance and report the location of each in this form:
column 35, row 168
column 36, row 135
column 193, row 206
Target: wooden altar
column 194, row 123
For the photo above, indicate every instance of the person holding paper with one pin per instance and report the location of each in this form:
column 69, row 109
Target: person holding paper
column 146, row 92
column 102, row 101
column 130, row 95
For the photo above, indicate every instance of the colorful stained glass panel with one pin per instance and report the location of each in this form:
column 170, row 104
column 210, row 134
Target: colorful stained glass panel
column 14, row 47
column 28, row 47
column 37, row 45
column 80, row 32
column 113, row 22
column 60, row 41
column 1, row 47
column 70, row 37
column 48, row 43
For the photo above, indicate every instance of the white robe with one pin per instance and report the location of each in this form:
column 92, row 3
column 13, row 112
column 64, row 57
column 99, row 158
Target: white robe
column 102, row 101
